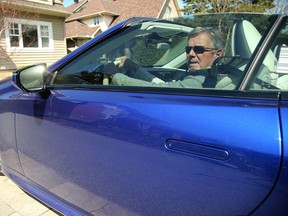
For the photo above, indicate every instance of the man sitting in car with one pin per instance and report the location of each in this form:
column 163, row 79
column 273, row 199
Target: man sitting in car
column 204, row 46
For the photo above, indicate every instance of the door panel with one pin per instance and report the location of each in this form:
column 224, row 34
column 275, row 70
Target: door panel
column 276, row 204
column 150, row 154
column 8, row 148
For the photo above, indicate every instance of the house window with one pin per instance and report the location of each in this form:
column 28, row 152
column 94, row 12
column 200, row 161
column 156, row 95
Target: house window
column 96, row 21
column 44, row 36
column 29, row 35
column 14, row 34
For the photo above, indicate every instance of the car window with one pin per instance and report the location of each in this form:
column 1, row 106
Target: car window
column 161, row 54
column 273, row 72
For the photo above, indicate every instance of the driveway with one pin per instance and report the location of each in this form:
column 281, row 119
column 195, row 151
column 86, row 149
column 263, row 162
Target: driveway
column 15, row 202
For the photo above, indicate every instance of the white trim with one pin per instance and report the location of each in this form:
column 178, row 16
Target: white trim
column 49, row 2
column 162, row 8
column 80, row 5
column 21, row 46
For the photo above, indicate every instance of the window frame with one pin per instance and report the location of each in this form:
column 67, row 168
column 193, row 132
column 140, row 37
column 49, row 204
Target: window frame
column 237, row 92
column 21, row 47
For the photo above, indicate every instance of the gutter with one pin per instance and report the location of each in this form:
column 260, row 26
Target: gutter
column 48, row 11
column 40, row 8
column 100, row 13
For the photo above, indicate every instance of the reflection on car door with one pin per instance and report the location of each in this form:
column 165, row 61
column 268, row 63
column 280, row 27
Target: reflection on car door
column 277, row 202
column 151, row 154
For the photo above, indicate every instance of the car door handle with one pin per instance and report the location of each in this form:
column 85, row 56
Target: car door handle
column 197, row 149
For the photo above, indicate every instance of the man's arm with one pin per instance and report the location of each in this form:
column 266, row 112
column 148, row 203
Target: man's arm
column 188, row 82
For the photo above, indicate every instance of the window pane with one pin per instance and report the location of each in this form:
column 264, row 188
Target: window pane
column 45, row 42
column 159, row 56
column 96, row 20
column 14, row 41
column 273, row 72
column 14, row 34
column 14, row 28
column 44, row 31
column 30, row 35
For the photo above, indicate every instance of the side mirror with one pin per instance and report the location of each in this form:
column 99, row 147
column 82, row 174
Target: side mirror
column 31, row 78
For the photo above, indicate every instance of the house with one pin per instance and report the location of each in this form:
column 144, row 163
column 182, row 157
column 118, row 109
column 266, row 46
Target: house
column 91, row 17
column 32, row 32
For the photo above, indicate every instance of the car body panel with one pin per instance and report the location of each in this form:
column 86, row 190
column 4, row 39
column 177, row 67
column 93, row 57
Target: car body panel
column 9, row 151
column 277, row 199
column 125, row 164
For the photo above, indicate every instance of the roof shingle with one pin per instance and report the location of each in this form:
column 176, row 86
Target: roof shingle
column 78, row 29
column 119, row 9
column 125, row 8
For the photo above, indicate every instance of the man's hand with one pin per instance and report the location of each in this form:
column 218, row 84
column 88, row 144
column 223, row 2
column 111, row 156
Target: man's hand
column 110, row 68
column 125, row 62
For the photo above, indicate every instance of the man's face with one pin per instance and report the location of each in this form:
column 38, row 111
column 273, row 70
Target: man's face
column 197, row 61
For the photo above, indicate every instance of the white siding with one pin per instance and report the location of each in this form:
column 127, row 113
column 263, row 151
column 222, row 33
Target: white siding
column 22, row 58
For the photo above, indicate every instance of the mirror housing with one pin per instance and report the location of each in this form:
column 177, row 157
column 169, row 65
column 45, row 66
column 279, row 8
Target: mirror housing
column 31, row 78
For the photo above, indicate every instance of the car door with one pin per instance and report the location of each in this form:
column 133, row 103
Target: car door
column 277, row 201
column 173, row 153
column 9, row 151
column 122, row 150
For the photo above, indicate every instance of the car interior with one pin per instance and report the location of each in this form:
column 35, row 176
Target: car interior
column 158, row 47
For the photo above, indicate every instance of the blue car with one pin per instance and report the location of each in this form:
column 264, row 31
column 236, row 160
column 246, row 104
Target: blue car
column 115, row 128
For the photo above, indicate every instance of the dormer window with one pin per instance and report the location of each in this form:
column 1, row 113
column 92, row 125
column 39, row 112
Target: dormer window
column 96, row 21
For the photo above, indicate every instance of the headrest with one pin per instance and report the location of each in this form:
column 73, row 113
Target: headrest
column 245, row 38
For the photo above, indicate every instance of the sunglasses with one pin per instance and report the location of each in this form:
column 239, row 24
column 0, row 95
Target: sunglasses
column 198, row 49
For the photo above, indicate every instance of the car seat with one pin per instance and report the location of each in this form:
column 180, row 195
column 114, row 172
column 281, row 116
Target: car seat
column 244, row 39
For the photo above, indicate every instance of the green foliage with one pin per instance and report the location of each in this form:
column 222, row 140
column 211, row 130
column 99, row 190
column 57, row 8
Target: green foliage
column 221, row 6
column 223, row 23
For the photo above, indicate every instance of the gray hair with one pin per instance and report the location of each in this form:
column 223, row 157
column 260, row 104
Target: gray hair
column 214, row 35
